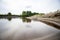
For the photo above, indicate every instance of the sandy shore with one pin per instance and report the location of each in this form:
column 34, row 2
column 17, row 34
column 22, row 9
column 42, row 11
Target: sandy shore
column 55, row 22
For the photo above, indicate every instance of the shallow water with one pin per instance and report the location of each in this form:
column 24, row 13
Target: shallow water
column 25, row 29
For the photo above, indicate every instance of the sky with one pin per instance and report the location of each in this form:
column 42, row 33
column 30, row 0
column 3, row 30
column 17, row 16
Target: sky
column 17, row 6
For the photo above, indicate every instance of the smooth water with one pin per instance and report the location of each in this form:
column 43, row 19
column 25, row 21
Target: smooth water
column 25, row 29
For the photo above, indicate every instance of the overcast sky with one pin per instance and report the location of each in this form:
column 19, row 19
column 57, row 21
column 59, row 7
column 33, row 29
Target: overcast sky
column 17, row 6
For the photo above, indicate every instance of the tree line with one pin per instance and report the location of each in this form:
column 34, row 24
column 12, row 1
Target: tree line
column 25, row 14
column 29, row 13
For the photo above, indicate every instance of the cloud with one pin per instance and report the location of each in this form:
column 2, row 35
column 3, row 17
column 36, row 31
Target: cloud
column 17, row 6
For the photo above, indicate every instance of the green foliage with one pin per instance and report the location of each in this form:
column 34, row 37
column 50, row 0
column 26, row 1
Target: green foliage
column 28, row 13
column 9, row 14
column 35, row 13
column 24, row 14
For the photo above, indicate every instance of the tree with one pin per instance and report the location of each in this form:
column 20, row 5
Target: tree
column 35, row 13
column 28, row 13
column 24, row 14
column 9, row 14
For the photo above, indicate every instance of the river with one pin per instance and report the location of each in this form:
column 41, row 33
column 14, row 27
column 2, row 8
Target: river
column 26, row 29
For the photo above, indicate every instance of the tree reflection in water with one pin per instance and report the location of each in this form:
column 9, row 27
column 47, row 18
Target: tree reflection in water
column 26, row 20
column 23, row 19
column 9, row 19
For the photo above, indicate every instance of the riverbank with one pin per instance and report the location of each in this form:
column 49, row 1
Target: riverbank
column 55, row 22
column 52, row 18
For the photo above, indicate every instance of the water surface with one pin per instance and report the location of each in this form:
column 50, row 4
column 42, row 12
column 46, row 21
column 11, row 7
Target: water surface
column 26, row 29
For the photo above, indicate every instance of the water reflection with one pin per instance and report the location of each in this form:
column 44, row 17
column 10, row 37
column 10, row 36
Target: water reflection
column 9, row 19
column 26, row 20
column 16, row 29
column 23, row 19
